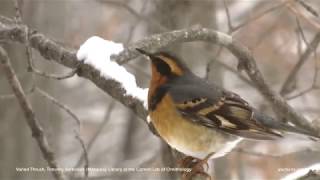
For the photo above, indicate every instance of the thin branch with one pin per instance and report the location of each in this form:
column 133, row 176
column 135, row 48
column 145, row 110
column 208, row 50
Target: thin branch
column 309, row 89
column 31, row 67
column 305, row 56
column 96, row 134
column 227, row 67
column 237, row 73
column 301, row 15
column 260, row 15
column 85, row 155
column 212, row 61
column 59, row 104
column 218, row 52
column 17, row 7
column 77, row 120
column 313, row 85
column 10, row 96
column 134, row 13
column 301, row 32
column 134, row 24
column 55, row 76
column 308, row 8
column 32, row 122
column 226, row 9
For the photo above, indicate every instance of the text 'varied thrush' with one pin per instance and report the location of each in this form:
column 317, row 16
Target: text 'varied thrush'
column 201, row 119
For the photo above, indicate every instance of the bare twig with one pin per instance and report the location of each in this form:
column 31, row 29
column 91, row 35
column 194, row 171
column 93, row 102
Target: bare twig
column 134, row 13
column 232, row 29
column 96, row 134
column 234, row 71
column 32, row 122
column 10, row 96
column 308, row 7
column 18, row 20
column 60, row 105
column 309, row 89
column 230, row 26
column 313, row 85
column 36, row 71
column 301, row 32
column 85, row 155
column 134, row 24
column 301, row 15
column 304, row 57
column 33, row 69
column 17, row 7
column 212, row 61
column 260, row 15
column 77, row 120
column 227, row 67
column 55, row 76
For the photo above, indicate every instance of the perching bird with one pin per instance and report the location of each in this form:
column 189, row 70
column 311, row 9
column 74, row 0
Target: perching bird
column 198, row 118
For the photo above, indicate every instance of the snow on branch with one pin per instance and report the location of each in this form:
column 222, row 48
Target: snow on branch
column 97, row 51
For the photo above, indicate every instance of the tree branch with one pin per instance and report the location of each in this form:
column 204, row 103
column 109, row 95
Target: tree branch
column 32, row 122
column 51, row 50
column 304, row 57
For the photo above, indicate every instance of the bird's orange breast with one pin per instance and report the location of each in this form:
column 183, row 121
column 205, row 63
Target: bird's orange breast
column 182, row 134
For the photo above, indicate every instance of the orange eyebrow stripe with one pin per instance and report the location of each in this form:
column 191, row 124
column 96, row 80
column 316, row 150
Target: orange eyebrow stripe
column 173, row 65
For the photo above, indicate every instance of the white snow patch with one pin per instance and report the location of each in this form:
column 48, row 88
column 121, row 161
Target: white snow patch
column 301, row 172
column 97, row 51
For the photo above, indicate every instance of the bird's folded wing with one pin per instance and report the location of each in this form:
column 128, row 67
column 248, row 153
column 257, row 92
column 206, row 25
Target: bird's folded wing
column 228, row 113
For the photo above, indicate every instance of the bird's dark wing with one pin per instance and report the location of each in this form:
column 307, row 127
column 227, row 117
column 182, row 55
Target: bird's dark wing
column 216, row 108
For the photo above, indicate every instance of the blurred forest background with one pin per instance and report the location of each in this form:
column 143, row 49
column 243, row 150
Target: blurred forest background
column 277, row 32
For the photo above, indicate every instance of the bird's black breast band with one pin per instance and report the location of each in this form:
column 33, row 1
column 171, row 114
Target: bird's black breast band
column 157, row 97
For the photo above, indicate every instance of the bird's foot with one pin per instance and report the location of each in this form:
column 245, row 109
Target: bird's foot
column 196, row 165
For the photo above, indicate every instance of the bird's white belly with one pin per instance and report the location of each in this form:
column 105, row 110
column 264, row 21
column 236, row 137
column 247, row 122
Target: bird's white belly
column 218, row 149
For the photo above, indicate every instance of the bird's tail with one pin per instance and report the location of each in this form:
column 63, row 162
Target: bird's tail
column 293, row 129
column 284, row 127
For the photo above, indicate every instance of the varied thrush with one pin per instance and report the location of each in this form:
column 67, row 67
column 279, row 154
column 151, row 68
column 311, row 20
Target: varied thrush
column 199, row 118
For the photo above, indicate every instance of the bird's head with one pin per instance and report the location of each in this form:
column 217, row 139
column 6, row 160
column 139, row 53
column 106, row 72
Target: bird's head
column 165, row 64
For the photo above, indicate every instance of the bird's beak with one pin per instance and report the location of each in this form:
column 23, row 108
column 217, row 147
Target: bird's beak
column 144, row 53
